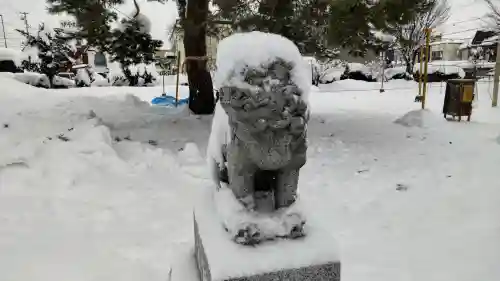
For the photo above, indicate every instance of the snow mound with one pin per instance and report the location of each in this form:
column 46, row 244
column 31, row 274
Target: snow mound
column 416, row 118
column 260, row 50
column 33, row 79
column 190, row 154
column 63, row 82
column 442, row 67
column 12, row 55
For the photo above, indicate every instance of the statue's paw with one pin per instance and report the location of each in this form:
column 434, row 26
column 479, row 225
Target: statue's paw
column 294, row 225
column 248, row 234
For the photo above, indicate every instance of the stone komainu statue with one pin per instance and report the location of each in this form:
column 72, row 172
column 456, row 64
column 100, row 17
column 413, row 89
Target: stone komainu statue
column 265, row 146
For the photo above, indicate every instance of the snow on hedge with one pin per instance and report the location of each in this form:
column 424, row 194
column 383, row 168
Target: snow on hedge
column 254, row 49
column 359, row 67
column 7, row 54
column 390, row 73
column 443, row 67
column 331, row 75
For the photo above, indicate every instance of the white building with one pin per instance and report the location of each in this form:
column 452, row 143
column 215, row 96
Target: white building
column 446, row 50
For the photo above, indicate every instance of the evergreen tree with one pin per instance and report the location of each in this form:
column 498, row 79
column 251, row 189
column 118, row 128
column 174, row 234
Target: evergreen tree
column 353, row 23
column 318, row 27
column 131, row 45
column 53, row 50
column 305, row 22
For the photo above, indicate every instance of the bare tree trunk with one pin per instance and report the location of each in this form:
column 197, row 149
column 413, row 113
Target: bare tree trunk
column 201, row 96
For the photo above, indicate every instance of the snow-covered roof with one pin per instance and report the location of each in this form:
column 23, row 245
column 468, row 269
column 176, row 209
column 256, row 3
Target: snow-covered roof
column 490, row 41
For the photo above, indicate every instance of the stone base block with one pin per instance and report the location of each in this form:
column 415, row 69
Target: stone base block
column 218, row 258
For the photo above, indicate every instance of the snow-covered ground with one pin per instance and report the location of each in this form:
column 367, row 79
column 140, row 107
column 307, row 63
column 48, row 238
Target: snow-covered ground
column 95, row 183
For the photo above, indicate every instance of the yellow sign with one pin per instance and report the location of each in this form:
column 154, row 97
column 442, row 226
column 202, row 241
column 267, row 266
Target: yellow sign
column 468, row 93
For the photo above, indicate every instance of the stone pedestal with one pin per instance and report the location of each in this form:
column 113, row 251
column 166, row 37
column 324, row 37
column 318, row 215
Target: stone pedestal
column 314, row 257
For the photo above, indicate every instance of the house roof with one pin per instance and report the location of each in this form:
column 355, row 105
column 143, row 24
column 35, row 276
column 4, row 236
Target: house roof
column 481, row 35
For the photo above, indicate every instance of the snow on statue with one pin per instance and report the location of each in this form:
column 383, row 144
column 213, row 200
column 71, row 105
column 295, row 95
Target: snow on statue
column 258, row 139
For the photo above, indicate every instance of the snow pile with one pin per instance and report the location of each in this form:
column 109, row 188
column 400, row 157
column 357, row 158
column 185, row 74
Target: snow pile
column 260, row 50
column 15, row 56
column 33, row 79
column 63, row 82
column 417, row 118
column 192, row 161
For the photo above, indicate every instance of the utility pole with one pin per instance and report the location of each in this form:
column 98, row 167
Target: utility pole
column 25, row 18
column 426, row 63
column 494, row 101
column 3, row 29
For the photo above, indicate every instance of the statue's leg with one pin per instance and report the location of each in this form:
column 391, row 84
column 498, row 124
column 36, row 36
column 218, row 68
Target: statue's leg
column 285, row 196
column 286, row 188
column 241, row 173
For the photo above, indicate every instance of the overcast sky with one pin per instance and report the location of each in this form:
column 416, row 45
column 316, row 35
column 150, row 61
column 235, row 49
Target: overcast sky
column 465, row 15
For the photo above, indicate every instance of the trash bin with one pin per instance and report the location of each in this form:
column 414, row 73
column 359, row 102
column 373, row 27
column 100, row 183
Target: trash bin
column 458, row 98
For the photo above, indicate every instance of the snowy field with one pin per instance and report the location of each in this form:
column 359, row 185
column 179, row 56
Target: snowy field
column 97, row 184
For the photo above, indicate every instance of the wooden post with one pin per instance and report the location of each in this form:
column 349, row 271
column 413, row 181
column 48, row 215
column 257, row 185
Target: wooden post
column 383, row 72
column 420, row 75
column 163, row 79
column 427, row 57
column 177, row 78
column 496, row 80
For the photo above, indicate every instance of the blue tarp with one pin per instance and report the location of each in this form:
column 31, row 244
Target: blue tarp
column 168, row 101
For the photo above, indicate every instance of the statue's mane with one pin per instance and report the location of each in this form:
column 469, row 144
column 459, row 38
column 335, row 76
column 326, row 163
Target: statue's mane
column 265, row 99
